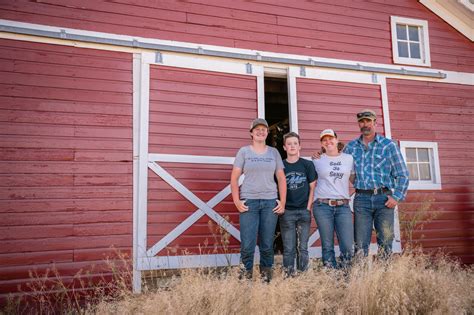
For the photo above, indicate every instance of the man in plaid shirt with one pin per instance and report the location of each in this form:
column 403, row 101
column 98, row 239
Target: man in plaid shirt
column 379, row 168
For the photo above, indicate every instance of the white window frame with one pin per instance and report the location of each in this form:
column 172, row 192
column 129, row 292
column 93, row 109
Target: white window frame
column 425, row 59
column 435, row 183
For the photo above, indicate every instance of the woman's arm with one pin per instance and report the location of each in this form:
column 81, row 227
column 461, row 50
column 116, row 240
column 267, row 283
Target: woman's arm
column 234, row 188
column 312, row 187
column 281, row 178
column 352, row 178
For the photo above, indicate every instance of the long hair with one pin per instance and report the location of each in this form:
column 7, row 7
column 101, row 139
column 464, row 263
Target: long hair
column 340, row 147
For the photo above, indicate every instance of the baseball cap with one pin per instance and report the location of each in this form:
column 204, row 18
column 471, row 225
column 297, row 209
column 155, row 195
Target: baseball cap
column 327, row 132
column 366, row 114
column 258, row 121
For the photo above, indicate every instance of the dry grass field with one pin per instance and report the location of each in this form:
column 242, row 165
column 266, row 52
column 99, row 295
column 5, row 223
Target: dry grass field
column 412, row 283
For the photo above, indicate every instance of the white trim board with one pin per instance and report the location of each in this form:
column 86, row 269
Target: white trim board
column 457, row 13
column 451, row 76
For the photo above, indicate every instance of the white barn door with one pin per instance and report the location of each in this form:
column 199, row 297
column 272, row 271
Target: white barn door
column 191, row 116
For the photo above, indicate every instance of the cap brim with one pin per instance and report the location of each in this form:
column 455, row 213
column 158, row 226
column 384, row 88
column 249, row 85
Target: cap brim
column 366, row 117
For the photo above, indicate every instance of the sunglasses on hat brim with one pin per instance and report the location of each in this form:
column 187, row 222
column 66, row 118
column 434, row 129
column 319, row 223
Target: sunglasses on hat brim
column 365, row 115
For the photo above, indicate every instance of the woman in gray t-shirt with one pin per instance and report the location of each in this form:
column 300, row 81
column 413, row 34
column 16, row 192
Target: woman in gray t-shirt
column 257, row 199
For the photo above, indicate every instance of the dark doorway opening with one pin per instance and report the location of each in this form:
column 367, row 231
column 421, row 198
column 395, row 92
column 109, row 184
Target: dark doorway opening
column 277, row 116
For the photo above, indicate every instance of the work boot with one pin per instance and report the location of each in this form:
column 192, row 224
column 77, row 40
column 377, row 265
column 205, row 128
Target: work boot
column 245, row 274
column 266, row 273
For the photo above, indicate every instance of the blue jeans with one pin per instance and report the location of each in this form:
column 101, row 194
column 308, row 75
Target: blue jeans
column 339, row 219
column 370, row 210
column 295, row 226
column 258, row 220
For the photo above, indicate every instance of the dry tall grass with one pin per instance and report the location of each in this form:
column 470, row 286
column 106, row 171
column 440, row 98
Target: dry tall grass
column 406, row 284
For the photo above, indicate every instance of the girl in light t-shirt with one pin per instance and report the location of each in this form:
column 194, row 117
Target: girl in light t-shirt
column 331, row 200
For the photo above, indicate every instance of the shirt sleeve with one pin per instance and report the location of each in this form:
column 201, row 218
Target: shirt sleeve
column 314, row 166
column 399, row 173
column 240, row 159
column 311, row 172
column 279, row 161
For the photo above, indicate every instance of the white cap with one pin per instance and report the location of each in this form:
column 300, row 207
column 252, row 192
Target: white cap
column 327, row 132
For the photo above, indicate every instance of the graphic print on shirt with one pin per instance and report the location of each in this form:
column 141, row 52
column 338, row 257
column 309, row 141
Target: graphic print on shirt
column 295, row 180
column 260, row 159
column 335, row 172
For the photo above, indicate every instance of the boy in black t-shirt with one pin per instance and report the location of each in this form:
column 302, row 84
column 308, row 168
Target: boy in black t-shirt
column 296, row 221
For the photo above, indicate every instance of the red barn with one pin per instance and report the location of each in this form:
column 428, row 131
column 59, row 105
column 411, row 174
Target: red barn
column 120, row 119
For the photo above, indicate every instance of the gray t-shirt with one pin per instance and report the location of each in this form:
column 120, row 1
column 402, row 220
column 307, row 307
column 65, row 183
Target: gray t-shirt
column 259, row 171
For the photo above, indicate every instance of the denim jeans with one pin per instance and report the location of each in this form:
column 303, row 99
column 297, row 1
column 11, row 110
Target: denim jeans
column 258, row 220
column 330, row 219
column 370, row 210
column 295, row 226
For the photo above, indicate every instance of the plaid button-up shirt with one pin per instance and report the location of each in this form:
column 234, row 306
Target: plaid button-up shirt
column 379, row 165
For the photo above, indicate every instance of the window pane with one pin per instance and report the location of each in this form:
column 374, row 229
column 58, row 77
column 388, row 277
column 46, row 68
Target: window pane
column 411, row 154
column 425, row 172
column 401, row 31
column 413, row 170
column 403, row 49
column 413, row 33
column 415, row 50
column 423, row 155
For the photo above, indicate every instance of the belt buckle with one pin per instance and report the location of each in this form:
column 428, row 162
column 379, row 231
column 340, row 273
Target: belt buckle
column 332, row 202
column 376, row 191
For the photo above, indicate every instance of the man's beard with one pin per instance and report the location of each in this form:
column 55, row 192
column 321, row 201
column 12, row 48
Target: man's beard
column 365, row 130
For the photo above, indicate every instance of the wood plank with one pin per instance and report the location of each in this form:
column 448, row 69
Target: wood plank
column 58, row 167
column 36, row 180
column 161, row 96
column 64, row 71
column 79, row 192
column 51, row 105
column 65, row 243
column 28, row 232
column 99, row 229
column 55, row 55
column 14, row 154
column 47, row 93
column 70, row 82
column 204, row 89
column 102, row 254
column 22, row 259
column 201, row 77
column 19, row 116
column 47, row 207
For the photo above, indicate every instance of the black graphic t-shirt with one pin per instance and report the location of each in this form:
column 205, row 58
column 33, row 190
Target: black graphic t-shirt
column 298, row 177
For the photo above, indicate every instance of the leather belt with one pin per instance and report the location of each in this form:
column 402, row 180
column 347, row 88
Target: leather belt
column 334, row 202
column 375, row 191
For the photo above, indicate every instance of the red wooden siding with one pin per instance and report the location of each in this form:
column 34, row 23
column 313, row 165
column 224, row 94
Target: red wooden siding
column 329, row 104
column 442, row 113
column 198, row 113
column 65, row 158
column 353, row 30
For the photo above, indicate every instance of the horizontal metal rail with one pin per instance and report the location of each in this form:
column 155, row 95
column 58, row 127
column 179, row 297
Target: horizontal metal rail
column 62, row 34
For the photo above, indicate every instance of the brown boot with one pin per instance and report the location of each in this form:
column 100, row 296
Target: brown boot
column 245, row 274
column 266, row 273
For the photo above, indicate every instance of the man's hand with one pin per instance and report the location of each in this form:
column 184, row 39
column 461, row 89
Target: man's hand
column 240, row 205
column 391, row 203
column 280, row 208
column 316, row 155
